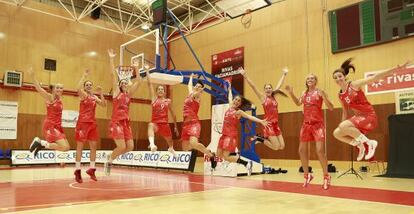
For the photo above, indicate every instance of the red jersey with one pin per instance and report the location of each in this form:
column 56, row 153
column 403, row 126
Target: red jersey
column 87, row 109
column 120, row 108
column 191, row 107
column 356, row 100
column 54, row 112
column 160, row 110
column 270, row 109
column 230, row 122
column 312, row 107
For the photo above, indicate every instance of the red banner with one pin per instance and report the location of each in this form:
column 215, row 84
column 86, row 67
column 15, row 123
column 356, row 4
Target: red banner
column 225, row 65
column 395, row 82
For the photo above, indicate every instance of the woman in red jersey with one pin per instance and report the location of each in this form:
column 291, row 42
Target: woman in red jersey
column 159, row 120
column 313, row 127
column 52, row 125
column 191, row 124
column 86, row 128
column 353, row 130
column 119, row 127
column 272, row 135
column 228, row 141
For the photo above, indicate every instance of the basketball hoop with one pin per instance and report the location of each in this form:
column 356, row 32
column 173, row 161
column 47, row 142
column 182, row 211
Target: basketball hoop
column 246, row 18
column 126, row 72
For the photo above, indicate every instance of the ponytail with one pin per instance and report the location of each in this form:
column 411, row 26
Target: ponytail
column 346, row 67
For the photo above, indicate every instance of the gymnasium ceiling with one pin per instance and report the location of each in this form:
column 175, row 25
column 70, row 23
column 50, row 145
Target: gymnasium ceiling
column 129, row 16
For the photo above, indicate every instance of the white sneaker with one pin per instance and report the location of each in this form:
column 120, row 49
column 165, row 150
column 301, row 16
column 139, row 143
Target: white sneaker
column 372, row 145
column 249, row 167
column 361, row 153
column 172, row 151
column 153, row 148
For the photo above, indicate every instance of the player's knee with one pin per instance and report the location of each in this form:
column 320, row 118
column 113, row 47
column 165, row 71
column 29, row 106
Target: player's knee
column 337, row 132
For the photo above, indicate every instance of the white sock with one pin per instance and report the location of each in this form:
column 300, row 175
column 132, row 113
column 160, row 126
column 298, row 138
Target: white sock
column 355, row 142
column 92, row 165
column 45, row 144
column 151, row 140
column 362, row 138
column 78, row 165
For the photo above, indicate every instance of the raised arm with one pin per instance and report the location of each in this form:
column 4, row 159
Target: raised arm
column 174, row 119
column 47, row 96
column 230, row 95
column 190, row 84
column 150, row 86
column 379, row 75
column 114, row 76
column 297, row 101
column 326, row 100
column 82, row 94
column 252, row 118
column 282, row 79
column 259, row 94
column 100, row 99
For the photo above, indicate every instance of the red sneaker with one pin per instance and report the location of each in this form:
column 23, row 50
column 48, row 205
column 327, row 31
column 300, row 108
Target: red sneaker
column 308, row 179
column 326, row 182
column 91, row 173
column 78, row 177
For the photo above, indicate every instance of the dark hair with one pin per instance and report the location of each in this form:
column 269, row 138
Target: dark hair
column 245, row 103
column 346, row 67
column 119, row 84
column 51, row 87
column 84, row 83
column 275, row 92
column 200, row 82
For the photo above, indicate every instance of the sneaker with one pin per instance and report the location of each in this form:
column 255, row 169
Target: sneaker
column 172, row 151
column 372, row 145
column 326, row 182
column 249, row 167
column 213, row 161
column 308, row 179
column 78, row 177
column 153, row 148
column 361, row 153
column 35, row 146
column 258, row 139
column 91, row 173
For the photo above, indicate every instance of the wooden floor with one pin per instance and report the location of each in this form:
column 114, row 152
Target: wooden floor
column 127, row 190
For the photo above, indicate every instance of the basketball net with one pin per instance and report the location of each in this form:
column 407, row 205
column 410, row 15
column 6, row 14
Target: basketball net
column 126, row 72
column 246, row 19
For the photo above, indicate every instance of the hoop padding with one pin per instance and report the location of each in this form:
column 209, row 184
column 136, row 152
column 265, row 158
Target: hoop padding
column 126, row 72
column 165, row 79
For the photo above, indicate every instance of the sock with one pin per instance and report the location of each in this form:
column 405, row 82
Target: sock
column 362, row 138
column 45, row 144
column 260, row 138
column 151, row 140
column 233, row 154
column 78, row 165
column 92, row 165
column 355, row 142
column 243, row 162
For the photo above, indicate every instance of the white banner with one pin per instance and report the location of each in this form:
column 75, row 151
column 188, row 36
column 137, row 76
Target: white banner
column 8, row 120
column 69, row 118
column 404, row 102
column 159, row 159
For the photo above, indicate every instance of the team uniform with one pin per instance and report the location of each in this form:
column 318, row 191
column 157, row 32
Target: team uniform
column 86, row 128
column 119, row 128
column 270, row 107
column 191, row 124
column 313, row 128
column 160, row 117
column 228, row 139
column 365, row 118
column 52, row 125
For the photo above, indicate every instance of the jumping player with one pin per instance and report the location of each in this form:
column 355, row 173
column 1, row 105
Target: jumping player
column 228, row 141
column 86, row 128
column 353, row 130
column 120, row 128
column 313, row 127
column 52, row 125
column 272, row 135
